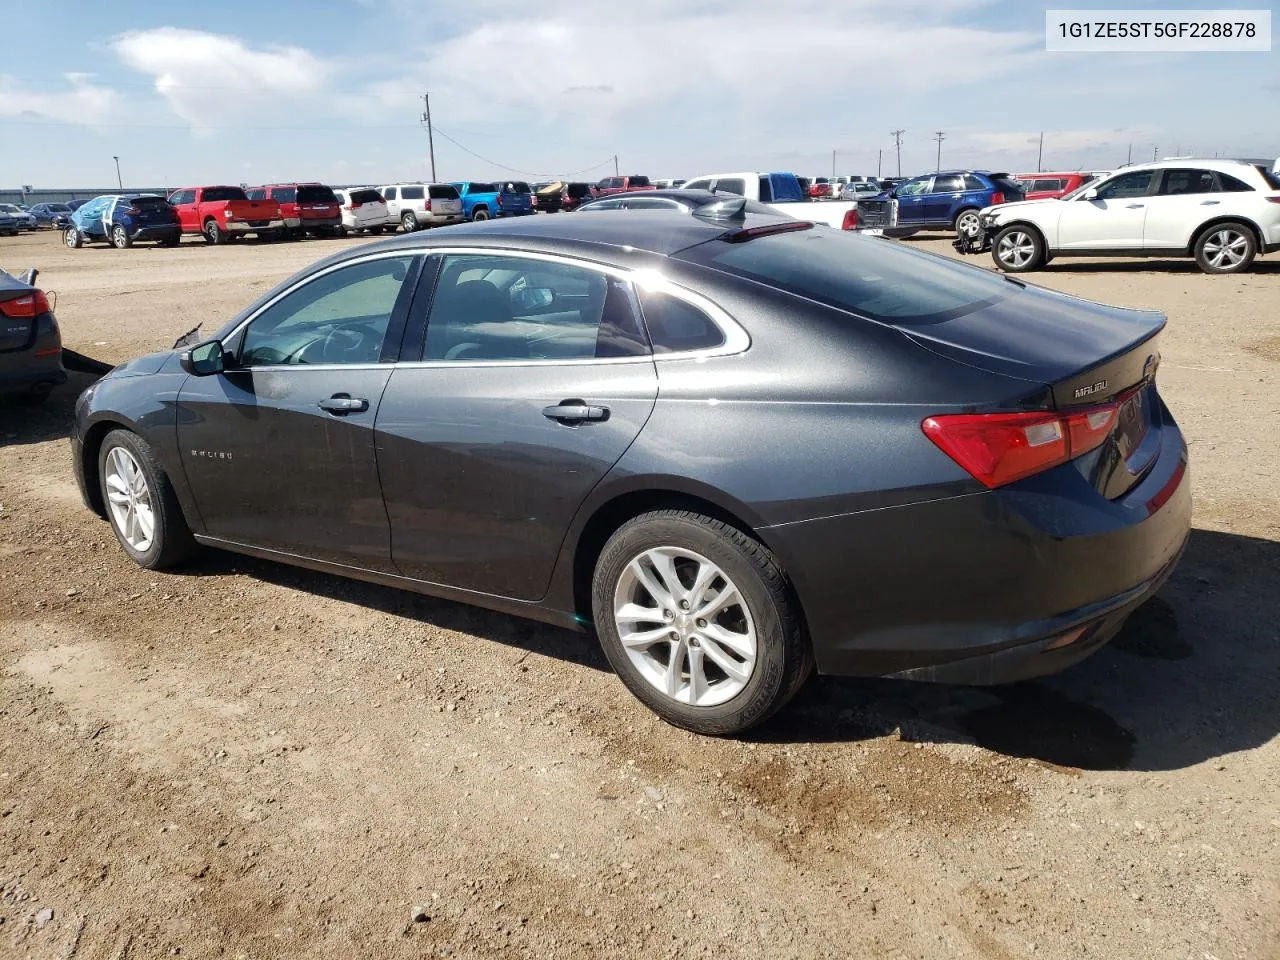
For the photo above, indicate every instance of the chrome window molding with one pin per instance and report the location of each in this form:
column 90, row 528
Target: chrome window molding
column 736, row 339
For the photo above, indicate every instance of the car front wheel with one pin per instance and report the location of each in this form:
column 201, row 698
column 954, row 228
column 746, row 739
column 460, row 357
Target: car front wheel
column 1018, row 249
column 968, row 226
column 1226, row 248
column 697, row 619
column 120, row 238
column 140, row 503
column 73, row 238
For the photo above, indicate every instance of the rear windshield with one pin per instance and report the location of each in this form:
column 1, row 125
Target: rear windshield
column 639, row 182
column 317, row 193
column 577, row 190
column 868, row 276
column 223, row 193
column 284, row 194
column 57, row 208
column 365, row 196
column 150, row 203
column 442, row 191
column 1272, row 178
column 483, row 188
column 516, row 186
column 1009, row 186
column 410, row 193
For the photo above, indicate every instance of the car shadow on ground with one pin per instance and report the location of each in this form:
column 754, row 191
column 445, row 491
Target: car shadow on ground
column 22, row 423
column 1194, row 675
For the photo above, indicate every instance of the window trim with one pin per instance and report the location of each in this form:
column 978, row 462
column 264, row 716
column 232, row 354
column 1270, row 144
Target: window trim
column 736, row 339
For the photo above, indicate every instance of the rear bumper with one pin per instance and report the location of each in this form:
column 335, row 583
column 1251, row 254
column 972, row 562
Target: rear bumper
column 321, row 223
column 440, row 219
column 34, row 373
column 168, row 231
column 987, row 587
column 253, row 226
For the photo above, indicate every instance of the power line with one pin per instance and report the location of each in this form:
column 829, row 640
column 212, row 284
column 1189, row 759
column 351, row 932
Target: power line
column 527, row 173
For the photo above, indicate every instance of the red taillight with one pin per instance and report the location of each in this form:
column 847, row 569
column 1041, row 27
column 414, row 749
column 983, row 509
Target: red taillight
column 31, row 305
column 997, row 197
column 426, row 204
column 850, row 221
column 499, row 199
column 999, row 448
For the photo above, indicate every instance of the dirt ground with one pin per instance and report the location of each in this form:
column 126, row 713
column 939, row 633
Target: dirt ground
column 255, row 761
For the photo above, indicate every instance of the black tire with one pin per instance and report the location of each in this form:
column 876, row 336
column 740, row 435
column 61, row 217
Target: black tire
column 1017, row 249
column 480, row 213
column 1227, row 247
column 338, row 231
column 784, row 658
column 408, row 222
column 966, row 224
column 72, row 237
column 213, row 233
column 120, row 238
column 171, row 541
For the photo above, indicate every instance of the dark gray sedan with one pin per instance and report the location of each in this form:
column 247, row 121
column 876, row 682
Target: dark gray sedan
column 736, row 446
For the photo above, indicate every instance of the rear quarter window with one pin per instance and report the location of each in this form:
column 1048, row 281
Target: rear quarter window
column 640, row 182
column 285, row 194
column 676, row 326
column 411, row 193
column 443, row 192
column 483, row 188
column 215, row 194
column 734, row 185
column 366, row 196
column 316, row 194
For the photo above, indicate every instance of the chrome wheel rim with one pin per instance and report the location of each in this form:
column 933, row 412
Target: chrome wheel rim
column 118, row 236
column 1016, row 249
column 129, row 499
column 69, row 237
column 211, row 230
column 409, row 222
column 968, row 224
column 1226, row 248
column 685, row 626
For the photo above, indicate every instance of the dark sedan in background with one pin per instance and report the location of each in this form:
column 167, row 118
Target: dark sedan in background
column 56, row 215
column 30, row 341
column 736, row 445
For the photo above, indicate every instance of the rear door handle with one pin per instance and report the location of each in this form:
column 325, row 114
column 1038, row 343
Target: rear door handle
column 574, row 411
column 1209, row 203
column 1134, row 206
column 341, row 403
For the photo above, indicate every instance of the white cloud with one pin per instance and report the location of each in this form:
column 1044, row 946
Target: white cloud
column 212, row 79
column 83, row 101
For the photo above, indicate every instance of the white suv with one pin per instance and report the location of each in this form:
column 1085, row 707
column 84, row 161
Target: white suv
column 363, row 209
column 1222, row 212
column 415, row 205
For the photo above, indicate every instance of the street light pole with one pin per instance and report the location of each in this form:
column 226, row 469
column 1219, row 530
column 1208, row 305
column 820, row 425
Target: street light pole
column 119, row 182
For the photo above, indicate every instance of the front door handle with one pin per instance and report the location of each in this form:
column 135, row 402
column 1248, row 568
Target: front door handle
column 1134, row 206
column 1209, row 203
column 574, row 411
column 341, row 403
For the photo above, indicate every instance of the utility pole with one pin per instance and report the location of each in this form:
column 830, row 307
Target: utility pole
column 1040, row 154
column 431, row 140
column 939, row 136
column 1155, row 151
column 615, row 166
column 879, row 161
column 119, row 182
column 897, row 142
column 1130, row 160
column 833, row 164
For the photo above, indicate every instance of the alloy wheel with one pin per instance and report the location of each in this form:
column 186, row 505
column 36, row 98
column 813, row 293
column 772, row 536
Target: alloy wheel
column 119, row 237
column 685, row 626
column 1016, row 249
column 968, row 225
column 129, row 499
column 1226, row 248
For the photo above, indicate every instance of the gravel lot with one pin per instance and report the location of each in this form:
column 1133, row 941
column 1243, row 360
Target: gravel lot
column 260, row 762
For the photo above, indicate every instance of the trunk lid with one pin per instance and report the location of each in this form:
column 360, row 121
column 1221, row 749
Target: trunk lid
column 254, row 209
column 1079, row 355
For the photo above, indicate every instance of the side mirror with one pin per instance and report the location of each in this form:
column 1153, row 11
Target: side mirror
column 204, row 359
column 1090, row 194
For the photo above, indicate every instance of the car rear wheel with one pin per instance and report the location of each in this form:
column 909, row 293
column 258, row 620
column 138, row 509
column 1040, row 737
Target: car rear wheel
column 120, row 238
column 697, row 619
column 408, row 222
column 1226, row 248
column 480, row 213
column 141, row 504
column 73, row 238
column 213, row 233
column 968, row 226
column 1017, row 249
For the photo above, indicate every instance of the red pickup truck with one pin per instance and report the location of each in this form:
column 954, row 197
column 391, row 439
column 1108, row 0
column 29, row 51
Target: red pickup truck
column 306, row 207
column 622, row 185
column 222, row 213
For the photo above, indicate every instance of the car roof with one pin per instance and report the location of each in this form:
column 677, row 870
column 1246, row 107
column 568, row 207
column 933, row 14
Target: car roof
column 1203, row 163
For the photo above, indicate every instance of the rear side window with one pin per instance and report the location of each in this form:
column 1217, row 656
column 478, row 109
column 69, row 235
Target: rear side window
column 973, row 183
column 640, row 182
column 1177, row 183
column 1229, row 184
column 411, row 193
column 949, row 183
column 257, row 193
column 442, row 191
column 676, row 326
column 365, row 196
column 389, row 193
column 315, row 193
column 734, row 185
column 879, row 280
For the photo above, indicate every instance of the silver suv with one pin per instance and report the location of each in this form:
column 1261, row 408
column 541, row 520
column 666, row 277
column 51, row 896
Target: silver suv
column 417, row 205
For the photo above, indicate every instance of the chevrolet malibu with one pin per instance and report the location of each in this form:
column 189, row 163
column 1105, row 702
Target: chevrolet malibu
column 736, row 447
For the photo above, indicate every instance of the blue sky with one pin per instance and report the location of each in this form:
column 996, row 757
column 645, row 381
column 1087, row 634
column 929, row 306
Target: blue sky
column 265, row 91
